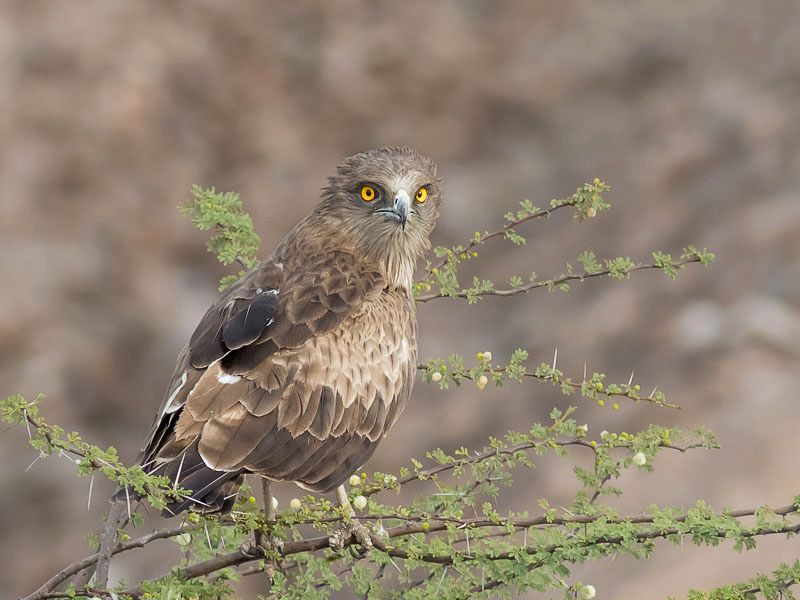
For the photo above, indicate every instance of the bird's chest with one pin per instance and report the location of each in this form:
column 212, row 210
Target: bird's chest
column 372, row 354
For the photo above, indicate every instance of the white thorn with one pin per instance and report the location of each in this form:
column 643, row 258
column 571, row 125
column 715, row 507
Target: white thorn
column 128, row 500
column 555, row 358
column 27, row 425
column 394, row 564
column 180, row 467
column 630, row 381
column 35, row 460
column 91, row 485
column 584, row 371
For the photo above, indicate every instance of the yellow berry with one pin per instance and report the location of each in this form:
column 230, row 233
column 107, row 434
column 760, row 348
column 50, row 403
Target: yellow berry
column 601, row 402
column 593, row 444
column 252, row 499
column 598, row 386
column 426, row 526
column 615, row 406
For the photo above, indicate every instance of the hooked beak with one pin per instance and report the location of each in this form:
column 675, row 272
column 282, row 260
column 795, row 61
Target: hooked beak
column 399, row 209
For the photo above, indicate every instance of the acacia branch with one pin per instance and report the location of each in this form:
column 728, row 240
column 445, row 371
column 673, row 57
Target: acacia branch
column 651, row 399
column 485, row 237
column 555, row 281
column 424, row 474
column 321, row 543
column 616, row 540
column 315, row 544
column 80, row 565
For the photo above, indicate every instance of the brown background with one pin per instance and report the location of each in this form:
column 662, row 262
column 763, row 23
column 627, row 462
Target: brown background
column 110, row 111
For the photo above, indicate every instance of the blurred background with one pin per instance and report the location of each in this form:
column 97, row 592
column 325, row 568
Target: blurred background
column 110, row 111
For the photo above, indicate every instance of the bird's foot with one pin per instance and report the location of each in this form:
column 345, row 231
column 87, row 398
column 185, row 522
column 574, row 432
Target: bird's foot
column 263, row 544
column 355, row 530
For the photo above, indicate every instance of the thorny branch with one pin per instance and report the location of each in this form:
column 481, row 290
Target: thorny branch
column 575, row 385
column 319, row 543
column 501, row 232
column 553, row 282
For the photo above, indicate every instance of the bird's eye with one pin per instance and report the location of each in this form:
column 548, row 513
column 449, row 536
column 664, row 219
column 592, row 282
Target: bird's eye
column 421, row 195
column 368, row 193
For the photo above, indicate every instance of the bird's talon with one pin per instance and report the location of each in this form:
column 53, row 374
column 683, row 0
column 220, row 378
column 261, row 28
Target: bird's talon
column 265, row 544
column 363, row 537
column 337, row 539
column 251, row 549
column 358, row 532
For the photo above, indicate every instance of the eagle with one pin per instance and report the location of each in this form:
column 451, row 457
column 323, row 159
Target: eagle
column 299, row 370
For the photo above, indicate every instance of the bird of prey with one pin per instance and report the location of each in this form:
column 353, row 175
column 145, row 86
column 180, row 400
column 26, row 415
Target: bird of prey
column 300, row 369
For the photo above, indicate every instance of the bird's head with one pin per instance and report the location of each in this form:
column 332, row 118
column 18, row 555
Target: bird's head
column 385, row 203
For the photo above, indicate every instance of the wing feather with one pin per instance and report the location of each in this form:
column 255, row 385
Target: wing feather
column 295, row 374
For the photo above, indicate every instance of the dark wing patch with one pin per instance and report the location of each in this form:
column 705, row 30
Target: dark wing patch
column 246, row 326
column 239, row 317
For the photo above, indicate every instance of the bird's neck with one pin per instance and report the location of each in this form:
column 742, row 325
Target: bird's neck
column 394, row 256
column 398, row 270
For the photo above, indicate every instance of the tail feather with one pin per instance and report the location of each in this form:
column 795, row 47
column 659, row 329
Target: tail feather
column 208, row 490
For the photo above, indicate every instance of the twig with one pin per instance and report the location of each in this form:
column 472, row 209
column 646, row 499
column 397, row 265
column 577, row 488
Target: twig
column 651, row 399
column 507, row 450
column 314, row 544
column 502, row 231
column 551, row 283
column 90, row 560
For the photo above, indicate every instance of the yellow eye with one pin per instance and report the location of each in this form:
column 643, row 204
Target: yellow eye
column 367, row 193
column 422, row 195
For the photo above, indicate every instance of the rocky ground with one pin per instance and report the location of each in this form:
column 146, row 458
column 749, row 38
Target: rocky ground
column 109, row 112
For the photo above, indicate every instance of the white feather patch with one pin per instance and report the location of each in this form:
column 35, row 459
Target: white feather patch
column 168, row 408
column 228, row 378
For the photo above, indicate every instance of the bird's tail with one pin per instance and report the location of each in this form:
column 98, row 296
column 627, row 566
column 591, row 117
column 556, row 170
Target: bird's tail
column 205, row 489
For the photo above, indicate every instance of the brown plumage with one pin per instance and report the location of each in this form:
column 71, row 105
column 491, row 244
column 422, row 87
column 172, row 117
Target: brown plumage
column 301, row 368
